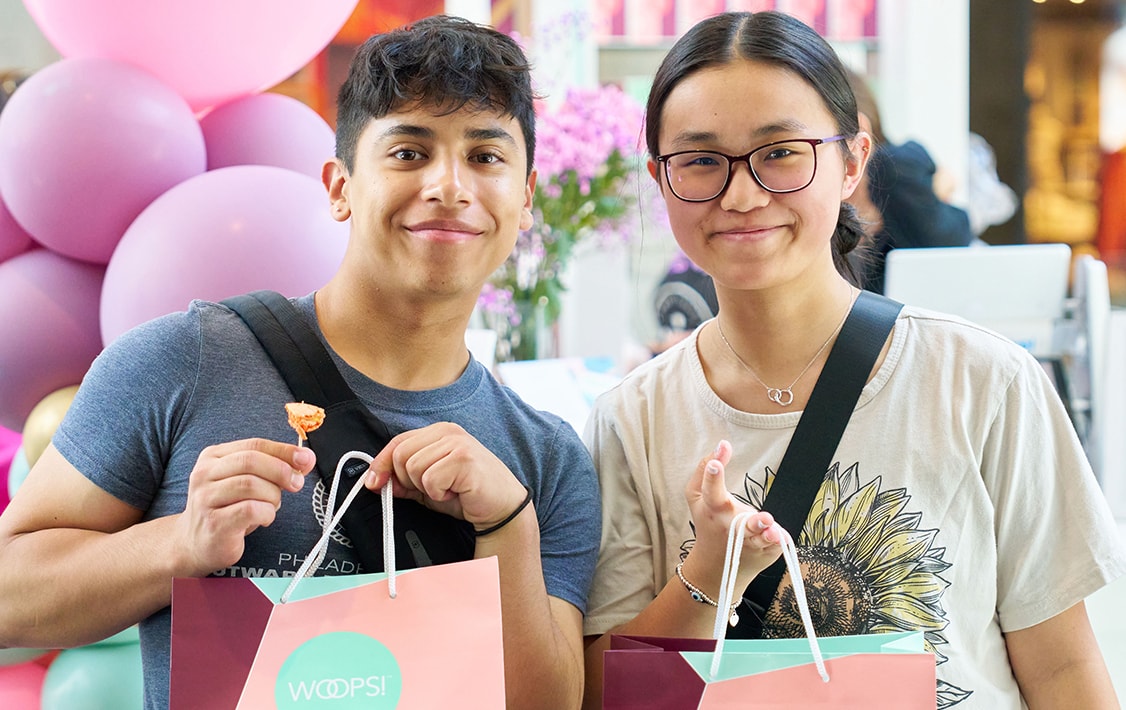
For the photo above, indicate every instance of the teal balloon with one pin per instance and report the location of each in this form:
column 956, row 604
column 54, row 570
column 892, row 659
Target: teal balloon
column 17, row 472
column 97, row 677
column 129, row 635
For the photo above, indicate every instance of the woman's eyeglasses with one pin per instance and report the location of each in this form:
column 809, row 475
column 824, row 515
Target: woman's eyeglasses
column 778, row 167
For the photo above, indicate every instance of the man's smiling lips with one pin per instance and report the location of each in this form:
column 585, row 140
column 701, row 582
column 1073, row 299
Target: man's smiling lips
column 444, row 230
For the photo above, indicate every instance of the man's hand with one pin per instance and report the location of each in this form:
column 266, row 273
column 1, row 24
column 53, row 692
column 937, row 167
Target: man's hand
column 446, row 469
column 234, row 489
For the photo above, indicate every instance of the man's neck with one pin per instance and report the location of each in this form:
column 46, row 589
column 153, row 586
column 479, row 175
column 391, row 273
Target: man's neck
column 402, row 345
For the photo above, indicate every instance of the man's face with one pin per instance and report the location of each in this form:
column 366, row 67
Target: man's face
column 436, row 201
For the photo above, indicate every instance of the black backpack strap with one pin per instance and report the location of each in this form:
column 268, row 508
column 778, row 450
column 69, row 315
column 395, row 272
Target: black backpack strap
column 810, row 451
column 422, row 536
column 287, row 339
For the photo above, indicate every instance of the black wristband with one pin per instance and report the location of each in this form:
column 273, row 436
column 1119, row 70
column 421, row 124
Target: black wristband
column 510, row 518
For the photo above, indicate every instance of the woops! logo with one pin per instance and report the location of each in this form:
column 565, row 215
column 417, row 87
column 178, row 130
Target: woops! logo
column 342, row 670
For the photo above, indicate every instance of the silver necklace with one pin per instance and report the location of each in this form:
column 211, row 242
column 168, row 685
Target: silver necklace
column 784, row 396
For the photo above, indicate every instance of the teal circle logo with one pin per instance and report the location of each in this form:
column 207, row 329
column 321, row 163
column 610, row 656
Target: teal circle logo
column 339, row 671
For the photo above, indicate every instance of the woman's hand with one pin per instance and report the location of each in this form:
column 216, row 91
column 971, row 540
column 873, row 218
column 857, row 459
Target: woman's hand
column 713, row 508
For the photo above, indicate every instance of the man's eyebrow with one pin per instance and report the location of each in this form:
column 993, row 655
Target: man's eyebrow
column 408, row 130
column 490, row 134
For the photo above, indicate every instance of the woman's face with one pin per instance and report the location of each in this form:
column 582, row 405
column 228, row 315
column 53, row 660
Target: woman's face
column 749, row 238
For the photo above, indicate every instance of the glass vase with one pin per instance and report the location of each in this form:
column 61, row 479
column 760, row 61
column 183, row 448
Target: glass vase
column 533, row 337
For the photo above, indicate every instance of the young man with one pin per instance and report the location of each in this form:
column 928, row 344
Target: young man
column 175, row 458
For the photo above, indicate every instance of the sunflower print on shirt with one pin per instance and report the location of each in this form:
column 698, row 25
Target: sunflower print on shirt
column 867, row 566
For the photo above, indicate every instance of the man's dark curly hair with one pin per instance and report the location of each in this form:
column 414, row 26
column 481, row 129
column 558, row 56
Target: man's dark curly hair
column 441, row 61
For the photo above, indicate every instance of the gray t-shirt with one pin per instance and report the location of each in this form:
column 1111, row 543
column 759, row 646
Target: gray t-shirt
column 178, row 384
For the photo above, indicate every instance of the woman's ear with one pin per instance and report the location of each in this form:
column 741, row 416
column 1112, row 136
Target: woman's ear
column 654, row 172
column 860, row 150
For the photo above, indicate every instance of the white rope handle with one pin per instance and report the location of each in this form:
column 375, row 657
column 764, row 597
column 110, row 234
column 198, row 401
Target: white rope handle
column 727, row 591
column 317, row 554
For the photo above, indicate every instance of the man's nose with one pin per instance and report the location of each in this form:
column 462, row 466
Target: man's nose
column 446, row 181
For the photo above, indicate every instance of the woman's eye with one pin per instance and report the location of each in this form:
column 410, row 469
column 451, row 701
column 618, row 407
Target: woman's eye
column 706, row 161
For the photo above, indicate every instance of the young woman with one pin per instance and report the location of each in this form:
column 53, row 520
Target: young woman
column 943, row 507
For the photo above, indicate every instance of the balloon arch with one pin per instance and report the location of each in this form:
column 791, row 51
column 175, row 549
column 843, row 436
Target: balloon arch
column 145, row 168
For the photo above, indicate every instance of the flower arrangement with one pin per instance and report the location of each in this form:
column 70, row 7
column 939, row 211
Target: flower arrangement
column 586, row 156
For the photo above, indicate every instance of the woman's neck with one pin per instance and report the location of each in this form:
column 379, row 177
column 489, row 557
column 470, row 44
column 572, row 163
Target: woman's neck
column 764, row 351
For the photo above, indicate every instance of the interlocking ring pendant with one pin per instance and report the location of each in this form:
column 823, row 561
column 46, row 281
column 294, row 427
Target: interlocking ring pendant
column 782, row 397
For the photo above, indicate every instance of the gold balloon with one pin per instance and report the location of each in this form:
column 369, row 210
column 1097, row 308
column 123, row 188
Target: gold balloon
column 43, row 420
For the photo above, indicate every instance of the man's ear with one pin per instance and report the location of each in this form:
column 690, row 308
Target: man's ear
column 526, row 218
column 335, row 178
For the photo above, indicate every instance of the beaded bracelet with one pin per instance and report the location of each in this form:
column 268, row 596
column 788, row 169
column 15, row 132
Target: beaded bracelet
column 698, row 595
column 510, row 518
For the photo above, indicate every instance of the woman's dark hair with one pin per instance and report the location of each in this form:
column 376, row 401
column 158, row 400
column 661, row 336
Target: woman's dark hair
column 440, row 61
column 783, row 41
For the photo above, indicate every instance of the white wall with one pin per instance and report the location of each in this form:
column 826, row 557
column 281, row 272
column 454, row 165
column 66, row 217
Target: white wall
column 22, row 45
column 923, row 79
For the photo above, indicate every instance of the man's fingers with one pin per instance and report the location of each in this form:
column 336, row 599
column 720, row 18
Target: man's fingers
column 299, row 457
column 284, row 465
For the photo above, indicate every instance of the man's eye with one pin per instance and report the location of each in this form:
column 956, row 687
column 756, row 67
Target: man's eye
column 487, row 158
column 407, row 154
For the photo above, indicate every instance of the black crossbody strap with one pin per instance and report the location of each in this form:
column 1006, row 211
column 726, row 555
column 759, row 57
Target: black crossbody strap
column 422, row 536
column 817, row 435
column 287, row 339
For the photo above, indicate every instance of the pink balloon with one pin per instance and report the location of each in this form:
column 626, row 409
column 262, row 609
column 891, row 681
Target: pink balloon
column 49, row 308
column 210, row 51
column 85, row 145
column 13, row 238
column 268, row 129
column 21, row 687
column 218, row 234
column 9, row 445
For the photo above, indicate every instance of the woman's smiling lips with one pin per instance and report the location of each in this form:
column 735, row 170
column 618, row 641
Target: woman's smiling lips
column 748, row 233
column 444, row 230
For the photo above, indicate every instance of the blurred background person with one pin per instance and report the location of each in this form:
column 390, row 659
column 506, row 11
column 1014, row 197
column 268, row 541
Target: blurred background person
column 904, row 199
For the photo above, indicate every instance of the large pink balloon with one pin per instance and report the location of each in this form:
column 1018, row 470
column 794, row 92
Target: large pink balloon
column 49, row 308
column 13, row 238
column 21, row 687
column 85, row 145
column 268, row 129
column 218, row 234
column 210, row 51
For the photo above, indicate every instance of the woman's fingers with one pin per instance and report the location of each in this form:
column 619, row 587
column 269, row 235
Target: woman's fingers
column 714, row 487
column 762, row 530
column 698, row 482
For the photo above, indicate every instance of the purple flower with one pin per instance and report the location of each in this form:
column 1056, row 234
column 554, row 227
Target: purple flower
column 589, row 159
